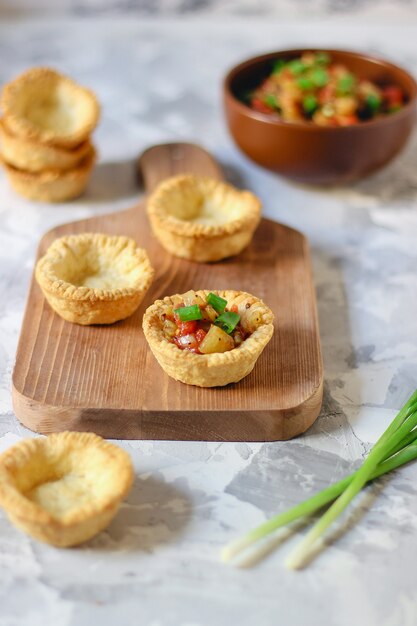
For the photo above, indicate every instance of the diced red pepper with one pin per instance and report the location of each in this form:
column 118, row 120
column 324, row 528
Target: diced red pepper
column 260, row 106
column 393, row 95
column 234, row 308
column 187, row 328
column 348, row 120
column 326, row 94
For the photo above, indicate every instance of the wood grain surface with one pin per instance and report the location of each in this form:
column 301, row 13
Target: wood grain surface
column 105, row 379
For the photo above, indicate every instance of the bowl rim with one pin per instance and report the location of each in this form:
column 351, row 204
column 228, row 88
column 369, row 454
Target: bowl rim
column 310, row 126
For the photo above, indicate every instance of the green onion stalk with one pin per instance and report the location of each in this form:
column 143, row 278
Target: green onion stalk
column 397, row 446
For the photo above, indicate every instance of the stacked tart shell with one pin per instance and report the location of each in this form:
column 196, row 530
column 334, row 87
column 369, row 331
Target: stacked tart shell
column 45, row 135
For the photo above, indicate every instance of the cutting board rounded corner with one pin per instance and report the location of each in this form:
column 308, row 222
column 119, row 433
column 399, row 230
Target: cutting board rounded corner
column 300, row 418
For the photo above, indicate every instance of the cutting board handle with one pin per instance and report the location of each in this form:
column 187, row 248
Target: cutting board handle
column 169, row 159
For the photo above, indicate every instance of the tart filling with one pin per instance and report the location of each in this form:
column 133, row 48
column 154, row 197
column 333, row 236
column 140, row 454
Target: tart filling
column 94, row 278
column 65, row 488
column 208, row 338
column 202, row 219
column 204, row 325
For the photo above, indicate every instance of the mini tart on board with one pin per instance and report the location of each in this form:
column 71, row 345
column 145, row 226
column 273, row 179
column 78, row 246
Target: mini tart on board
column 65, row 488
column 94, row 278
column 217, row 369
column 201, row 218
column 51, row 185
column 46, row 106
column 32, row 156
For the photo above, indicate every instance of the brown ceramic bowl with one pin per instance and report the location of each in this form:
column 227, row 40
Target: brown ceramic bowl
column 309, row 153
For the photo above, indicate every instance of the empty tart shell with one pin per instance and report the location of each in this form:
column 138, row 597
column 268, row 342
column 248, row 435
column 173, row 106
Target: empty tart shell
column 33, row 156
column 94, row 278
column 211, row 370
column 46, row 106
column 65, row 488
column 202, row 219
column 51, row 185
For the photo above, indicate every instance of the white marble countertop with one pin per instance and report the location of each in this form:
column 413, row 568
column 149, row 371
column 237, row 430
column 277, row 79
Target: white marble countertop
column 157, row 564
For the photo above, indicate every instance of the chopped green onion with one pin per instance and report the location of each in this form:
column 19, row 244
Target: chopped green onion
column 316, row 502
column 397, row 446
column 310, row 104
column 297, row 67
column 278, row 65
column 228, row 321
column 189, row 313
column 305, row 84
column 271, row 101
column 322, row 58
column 219, row 304
column 345, row 84
column 396, row 431
column 319, row 77
column 373, row 101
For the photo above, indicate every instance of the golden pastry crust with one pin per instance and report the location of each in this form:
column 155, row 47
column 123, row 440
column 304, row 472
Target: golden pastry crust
column 94, row 278
column 51, row 185
column 43, row 105
column 33, row 156
column 218, row 369
column 202, row 219
column 65, row 488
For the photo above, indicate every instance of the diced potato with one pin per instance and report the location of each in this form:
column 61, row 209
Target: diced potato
column 169, row 329
column 188, row 298
column 250, row 318
column 345, row 105
column 237, row 338
column 339, row 71
column 216, row 340
column 308, row 58
column 322, row 120
column 177, row 301
column 209, row 313
column 191, row 298
column 366, row 88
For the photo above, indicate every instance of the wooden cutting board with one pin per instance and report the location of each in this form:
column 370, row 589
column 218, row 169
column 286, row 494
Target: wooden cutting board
column 105, row 379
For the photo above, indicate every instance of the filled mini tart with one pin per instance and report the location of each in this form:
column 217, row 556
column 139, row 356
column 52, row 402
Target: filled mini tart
column 208, row 338
column 202, row 219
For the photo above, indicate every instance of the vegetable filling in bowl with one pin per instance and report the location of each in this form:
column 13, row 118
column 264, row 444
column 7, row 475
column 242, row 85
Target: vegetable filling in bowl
column 313, row 88
column 204, row 326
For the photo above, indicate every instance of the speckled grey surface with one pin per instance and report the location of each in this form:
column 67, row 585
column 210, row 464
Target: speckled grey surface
column 157, row 565
column 281, row 9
